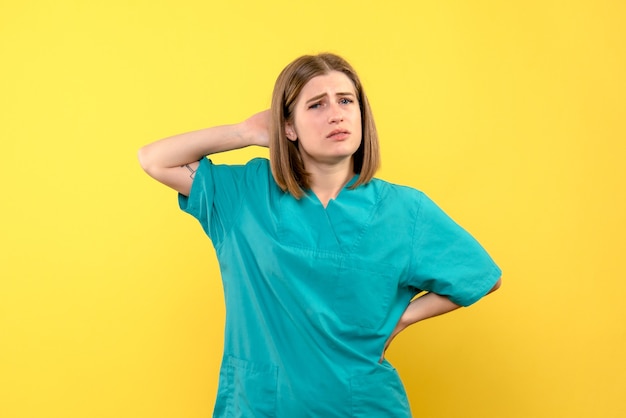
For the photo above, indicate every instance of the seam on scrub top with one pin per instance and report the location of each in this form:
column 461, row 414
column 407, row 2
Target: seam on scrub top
column 338, row 255
column 367, row 223
column 239, row 205
column 413, row 237
column 332, row 228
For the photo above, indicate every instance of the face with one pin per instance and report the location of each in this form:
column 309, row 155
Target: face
column 326, row 120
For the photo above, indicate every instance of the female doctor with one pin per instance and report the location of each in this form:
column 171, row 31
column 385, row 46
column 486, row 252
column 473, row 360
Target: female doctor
column 322, row 264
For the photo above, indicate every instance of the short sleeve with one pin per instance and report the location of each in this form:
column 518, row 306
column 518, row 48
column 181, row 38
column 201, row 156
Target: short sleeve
column 447, row 260
column 215, row 196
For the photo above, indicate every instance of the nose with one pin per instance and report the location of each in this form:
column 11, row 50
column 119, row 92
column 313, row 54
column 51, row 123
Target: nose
column 336, row 115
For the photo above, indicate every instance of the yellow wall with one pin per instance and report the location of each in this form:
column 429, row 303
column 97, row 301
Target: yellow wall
column 509, row 114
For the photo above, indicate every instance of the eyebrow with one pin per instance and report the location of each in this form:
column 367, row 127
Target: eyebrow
column 319, row 96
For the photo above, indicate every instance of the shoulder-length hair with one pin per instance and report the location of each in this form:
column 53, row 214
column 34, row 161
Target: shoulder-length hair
column 285, row 160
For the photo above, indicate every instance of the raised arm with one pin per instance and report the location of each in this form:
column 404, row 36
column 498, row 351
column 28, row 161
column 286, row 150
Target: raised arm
column 172, row 161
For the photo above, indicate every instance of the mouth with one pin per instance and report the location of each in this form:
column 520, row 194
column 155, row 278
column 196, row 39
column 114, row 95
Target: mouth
column 338, row 134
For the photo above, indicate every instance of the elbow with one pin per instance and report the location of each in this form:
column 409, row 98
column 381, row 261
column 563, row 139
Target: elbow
column 496, row 286
column 145, row 161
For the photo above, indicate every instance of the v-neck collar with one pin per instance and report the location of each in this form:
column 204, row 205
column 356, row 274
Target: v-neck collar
column 311, row 195
column 336, row 228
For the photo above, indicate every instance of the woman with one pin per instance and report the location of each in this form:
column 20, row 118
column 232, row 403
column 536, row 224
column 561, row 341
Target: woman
column 321, row 263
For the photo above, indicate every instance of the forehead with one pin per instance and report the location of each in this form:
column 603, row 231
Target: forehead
column 331, row 83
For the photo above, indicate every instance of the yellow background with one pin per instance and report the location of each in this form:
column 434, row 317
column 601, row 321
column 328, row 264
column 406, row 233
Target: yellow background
column 511, row 115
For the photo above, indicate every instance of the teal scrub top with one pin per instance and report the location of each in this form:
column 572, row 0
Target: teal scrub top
column 313, row 293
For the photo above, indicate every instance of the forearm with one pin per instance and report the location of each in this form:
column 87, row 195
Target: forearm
column 424, row 307
column 427, row 306
column 182, row 149
column 430, row 305
column 173, row 160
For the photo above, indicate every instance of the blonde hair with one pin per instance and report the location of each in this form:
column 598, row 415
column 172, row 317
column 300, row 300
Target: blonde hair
column 286, row 163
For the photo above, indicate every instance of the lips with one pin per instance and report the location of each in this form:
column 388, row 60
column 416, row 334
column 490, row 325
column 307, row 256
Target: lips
column 338, row 134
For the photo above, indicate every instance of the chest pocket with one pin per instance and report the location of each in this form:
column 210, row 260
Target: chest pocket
column 364, row 292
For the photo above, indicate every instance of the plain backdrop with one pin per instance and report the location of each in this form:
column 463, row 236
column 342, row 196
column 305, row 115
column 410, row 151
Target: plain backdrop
column 509, row 114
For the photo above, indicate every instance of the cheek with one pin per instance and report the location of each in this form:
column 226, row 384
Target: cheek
column 308, row 124
column 358, row 126
column 358, row 122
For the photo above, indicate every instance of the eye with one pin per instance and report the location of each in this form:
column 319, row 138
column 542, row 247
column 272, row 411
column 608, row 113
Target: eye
column 345, row 100
column 315, row 105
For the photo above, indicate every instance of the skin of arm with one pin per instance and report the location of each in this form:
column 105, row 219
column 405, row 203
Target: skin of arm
column 424, row 307
column 165, row 160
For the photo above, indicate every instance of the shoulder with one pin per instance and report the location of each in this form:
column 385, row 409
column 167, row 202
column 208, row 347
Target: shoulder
column 396, row 202
column 232, row 179
column 258, row 170
column 258, row 164
column 255, row 164
column 253, row 169
column 397, row 193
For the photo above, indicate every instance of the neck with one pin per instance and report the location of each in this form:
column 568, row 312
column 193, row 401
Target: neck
column 328, row 181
